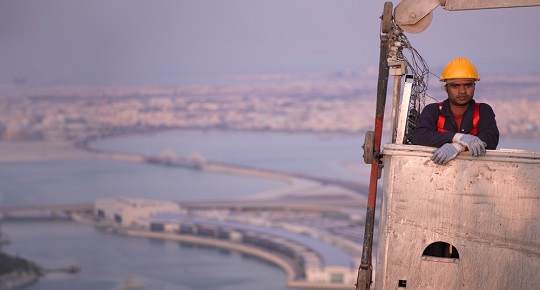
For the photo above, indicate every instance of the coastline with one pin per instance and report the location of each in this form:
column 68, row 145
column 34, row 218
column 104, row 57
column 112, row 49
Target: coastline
column 18, row 272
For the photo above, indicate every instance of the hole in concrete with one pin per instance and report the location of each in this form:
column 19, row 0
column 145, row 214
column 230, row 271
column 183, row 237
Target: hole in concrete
column 402, row 283
column 441, row 250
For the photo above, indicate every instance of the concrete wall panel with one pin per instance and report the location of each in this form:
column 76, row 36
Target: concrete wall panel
column 488, row 208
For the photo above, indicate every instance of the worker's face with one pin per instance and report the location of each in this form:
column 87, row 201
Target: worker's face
column 460, row 92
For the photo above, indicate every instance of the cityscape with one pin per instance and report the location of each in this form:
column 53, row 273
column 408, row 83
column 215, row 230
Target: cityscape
column 340, row 103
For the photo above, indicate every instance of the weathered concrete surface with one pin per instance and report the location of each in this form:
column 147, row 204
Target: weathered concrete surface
column 488, row 208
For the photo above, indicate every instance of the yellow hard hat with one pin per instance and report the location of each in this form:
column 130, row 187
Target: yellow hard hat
column 460, row 68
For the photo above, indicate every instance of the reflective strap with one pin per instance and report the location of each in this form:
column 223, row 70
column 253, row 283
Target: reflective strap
column 475, row 119
column 440, row 122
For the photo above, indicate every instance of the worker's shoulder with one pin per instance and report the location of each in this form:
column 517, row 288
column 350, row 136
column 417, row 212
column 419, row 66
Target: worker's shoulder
column 484, row 106
column 486, row 110
column 437, row 104
column 433, row 106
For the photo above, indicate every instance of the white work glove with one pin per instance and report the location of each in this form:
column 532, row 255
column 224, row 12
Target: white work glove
column 447, row 152
column 476, row 146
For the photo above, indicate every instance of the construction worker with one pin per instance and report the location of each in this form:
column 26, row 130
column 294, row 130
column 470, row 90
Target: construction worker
column 459, row 123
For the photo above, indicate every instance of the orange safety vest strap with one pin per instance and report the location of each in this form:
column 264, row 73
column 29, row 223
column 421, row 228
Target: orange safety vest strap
column 440, row 122
column 476, row 119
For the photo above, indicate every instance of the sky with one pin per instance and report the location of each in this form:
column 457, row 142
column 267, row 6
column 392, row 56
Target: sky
column 203, row 41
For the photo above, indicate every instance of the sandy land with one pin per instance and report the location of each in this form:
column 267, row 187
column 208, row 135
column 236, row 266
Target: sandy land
column 27, row 151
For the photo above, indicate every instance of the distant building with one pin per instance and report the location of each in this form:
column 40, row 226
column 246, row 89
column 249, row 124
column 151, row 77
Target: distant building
column 130, row 212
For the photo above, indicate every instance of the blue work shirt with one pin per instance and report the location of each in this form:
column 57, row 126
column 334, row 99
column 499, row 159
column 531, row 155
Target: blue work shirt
column 426, row 132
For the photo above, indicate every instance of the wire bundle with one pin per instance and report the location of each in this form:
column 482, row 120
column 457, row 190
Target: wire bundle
column 420, row 72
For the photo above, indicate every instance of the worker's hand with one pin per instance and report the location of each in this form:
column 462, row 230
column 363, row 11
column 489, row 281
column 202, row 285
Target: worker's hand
column 476, row 146
column 447, row 152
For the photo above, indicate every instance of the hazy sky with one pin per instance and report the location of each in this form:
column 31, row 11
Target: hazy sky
column 180, row 41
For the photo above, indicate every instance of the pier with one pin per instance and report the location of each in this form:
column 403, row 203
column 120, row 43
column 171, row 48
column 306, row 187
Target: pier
column 69, row 270
column 45, row 211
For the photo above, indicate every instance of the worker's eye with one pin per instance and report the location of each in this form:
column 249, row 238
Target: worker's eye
column 457, row 86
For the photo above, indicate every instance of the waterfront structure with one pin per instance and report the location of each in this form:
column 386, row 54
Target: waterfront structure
column 311, row 258
column 131, row 212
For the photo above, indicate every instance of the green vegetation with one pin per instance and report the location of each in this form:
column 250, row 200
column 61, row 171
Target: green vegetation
column 9, row 264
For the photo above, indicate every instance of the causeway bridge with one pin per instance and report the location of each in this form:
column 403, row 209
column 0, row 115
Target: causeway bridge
column 41, row 211
column 54, row 211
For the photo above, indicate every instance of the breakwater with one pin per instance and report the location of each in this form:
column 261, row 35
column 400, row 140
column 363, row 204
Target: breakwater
column 281, row 261
column 299, row 181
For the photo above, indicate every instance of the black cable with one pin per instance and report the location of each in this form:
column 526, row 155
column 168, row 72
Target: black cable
column 420, row 72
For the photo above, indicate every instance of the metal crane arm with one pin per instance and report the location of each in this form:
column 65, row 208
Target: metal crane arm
column 415, row 15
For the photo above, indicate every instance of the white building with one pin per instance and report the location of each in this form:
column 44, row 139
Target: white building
column 132, row 212
column 332, row 275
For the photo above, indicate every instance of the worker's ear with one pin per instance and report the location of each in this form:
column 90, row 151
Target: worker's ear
column 445, row 88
